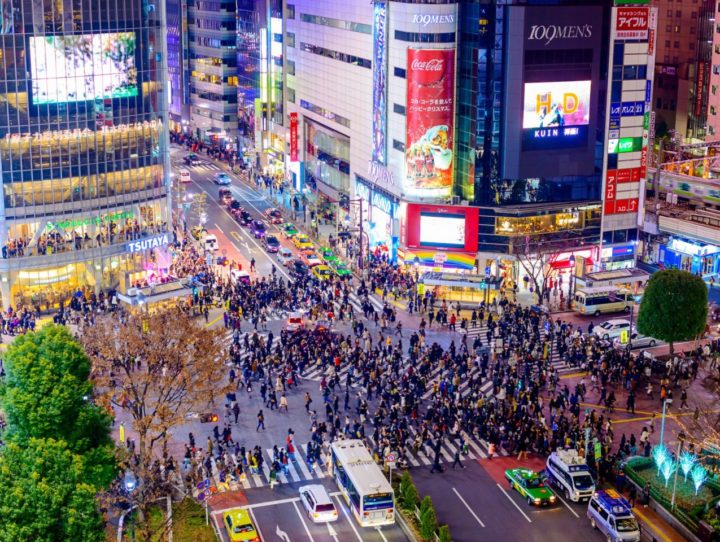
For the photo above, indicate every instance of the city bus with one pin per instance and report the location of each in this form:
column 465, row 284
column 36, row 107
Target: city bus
column 602, row 299
column 362, row 483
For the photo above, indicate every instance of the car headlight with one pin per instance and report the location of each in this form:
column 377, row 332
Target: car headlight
column 537, row 501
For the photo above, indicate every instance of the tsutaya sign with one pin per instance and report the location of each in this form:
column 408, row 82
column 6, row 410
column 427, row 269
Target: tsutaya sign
column 146, row 244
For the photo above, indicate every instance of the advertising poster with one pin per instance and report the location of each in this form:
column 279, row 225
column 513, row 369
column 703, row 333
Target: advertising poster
column 293, row 137
column 556, row 113
column 429, row 142
column 443, row 227
column 379, row 121
column 632, row 23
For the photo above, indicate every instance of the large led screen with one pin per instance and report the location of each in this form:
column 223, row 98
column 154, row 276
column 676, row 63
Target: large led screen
column 84, row 67
column 442, row 230
column 556, row 114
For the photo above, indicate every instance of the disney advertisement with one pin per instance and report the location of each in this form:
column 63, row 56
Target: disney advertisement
column 429, row 141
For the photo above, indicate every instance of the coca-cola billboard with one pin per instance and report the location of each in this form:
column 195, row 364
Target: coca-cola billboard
column 429, row 137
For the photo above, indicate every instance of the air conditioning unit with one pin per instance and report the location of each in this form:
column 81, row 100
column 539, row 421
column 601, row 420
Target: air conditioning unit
column 132, row 292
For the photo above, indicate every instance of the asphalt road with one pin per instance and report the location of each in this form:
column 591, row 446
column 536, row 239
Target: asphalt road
column 279, row 515
column 475, row 502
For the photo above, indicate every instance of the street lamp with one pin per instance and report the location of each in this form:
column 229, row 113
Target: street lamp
column 572, row 280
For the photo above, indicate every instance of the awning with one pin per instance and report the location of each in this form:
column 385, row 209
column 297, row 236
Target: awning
column 565, row 264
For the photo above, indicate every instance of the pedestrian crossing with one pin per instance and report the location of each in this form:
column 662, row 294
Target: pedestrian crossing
column 299, row 469
column 205, row 166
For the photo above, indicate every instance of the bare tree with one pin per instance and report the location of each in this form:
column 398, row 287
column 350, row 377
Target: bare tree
column 537, row 262
column 160, row 368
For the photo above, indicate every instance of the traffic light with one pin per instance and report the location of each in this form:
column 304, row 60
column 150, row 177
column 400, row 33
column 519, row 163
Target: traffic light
column 209, row 417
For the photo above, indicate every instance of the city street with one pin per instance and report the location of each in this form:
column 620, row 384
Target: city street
column 474, row 500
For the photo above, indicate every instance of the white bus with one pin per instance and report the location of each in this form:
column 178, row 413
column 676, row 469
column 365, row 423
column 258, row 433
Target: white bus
column 602, row 299
column 363, row 484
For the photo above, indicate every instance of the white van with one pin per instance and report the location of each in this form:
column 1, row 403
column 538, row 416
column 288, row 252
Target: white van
column 569, row 473
column 210, row 242
column 318, row 504
column 612, row 515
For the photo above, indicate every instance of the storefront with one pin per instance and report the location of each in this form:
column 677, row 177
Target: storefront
column 379, row 214
column 466, row 289
column 617, row 256
column 695, row 257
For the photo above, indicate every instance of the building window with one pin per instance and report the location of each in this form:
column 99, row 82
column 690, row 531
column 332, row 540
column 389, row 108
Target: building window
column 716, row 69
column 713, row 89
column 398, row 145
column 290, row 39
column 712, row 110
column 667, row 44
column 291, row 67
column 325, row 113
column 676, row 45
column 400, row 72
column 336, row 55
column 399, row 109
column 336, row 23
column 668, row 28
column 291, row 94
column 290, row 11
column 422, row 37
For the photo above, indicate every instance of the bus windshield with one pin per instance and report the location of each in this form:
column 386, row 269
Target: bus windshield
column 377, row 501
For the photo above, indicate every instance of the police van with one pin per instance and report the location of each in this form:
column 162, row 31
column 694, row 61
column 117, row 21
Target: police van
column 569, row 472
column 611, row 514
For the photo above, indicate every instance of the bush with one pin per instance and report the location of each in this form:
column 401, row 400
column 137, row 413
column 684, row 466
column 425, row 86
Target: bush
column 410, row 497
column 405, row 482
column 425, row 505
column 444, row 534
column 428, row 522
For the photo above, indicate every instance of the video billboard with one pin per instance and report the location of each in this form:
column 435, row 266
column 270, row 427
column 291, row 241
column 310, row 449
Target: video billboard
column 448, row 227
column 83, row 67
column 429, row 137
column 556, row 114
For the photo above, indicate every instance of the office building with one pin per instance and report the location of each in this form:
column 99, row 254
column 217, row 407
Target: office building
column 83, row 148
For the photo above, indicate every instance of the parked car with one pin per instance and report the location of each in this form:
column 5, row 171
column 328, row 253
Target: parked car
column 612, row 329
column 210, row 242
column 638, row 340
column 302, row 241
column 192, row 159
column 245, row 218
column 185, row 176
column 328, row 255
column 274, row 216
column 258, row 229
column 221, row 178
column 271, row 243
column 239, row 275
column 232, row 204
column 295, row 321
column 341, row 270
column 322, row 272
column 310, row 258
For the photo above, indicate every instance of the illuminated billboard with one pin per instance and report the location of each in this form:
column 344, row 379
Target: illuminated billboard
column 442, row 230
column 84, row 67
column 429, row 136
column 556, row 114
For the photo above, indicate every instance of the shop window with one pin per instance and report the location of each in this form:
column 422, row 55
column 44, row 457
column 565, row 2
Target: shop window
column 399, row 109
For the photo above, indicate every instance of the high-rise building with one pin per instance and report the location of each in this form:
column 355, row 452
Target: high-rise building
column 83, row 147
column 178, row 65
column 212, row 39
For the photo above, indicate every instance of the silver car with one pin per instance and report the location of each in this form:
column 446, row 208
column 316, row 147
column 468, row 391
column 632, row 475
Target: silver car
column 318, row 504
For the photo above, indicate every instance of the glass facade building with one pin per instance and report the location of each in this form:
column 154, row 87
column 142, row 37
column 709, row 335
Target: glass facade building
column 498, row 168
column 83, row 147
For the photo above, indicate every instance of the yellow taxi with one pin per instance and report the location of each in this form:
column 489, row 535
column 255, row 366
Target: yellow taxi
column 322, row 272
column 239, row 526
column 302, row 241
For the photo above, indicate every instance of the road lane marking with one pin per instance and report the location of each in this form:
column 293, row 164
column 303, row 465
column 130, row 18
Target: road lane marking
column 255, row 523
column 382, row 535
column 213, row 321
column 656, row 529
column 567, row 506
column 282, row 534
column 302, row 520
column 468, row 507
column 514, row 503
column 331, row 531
column 347, row 515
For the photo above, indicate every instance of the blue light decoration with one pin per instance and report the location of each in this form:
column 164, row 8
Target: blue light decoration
column 379, row 118
column 687, row 460
column 698, row 474
column 668, row 468
column 660, row 455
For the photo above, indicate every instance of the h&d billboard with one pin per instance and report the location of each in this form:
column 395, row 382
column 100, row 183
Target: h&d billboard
column 429, row 132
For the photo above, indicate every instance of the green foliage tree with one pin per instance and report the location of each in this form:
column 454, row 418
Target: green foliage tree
column 410, row 497
column 405, row 481
column 46, row 395
column 44, row 494
column 428, row 522
column 444, row 534
column 674, row 307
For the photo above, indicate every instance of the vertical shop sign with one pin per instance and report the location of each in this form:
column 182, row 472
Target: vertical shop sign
column 610, row 191
column 379, row 119
column 293, row 137
column 429, row 134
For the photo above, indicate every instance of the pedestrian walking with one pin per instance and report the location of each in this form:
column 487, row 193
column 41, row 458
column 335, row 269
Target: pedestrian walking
column 261, row 421
column 456, row 460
